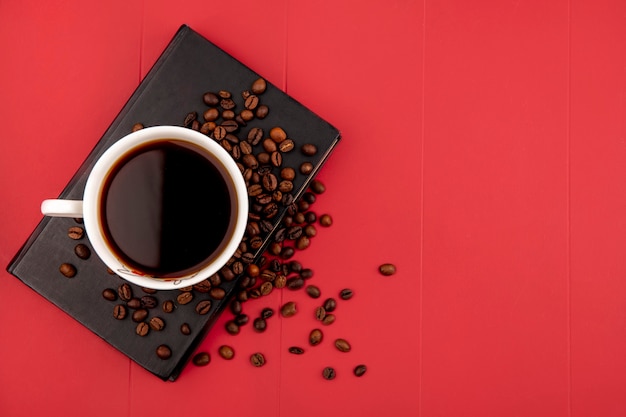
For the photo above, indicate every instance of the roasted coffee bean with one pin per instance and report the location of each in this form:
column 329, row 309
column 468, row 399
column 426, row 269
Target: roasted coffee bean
column 294, row 232
column 250, row 161
column 255, row 136
column 227, row 274
column 308, row 149
column 139, row 315
column 184, row 298
column 241, row 319
column 258, row 86
column 387, row 269
column 328, row 320
column 82, row 251
column 185, row 329
column 136, row 127
column 269, row 145
column 310, row 230
column 256, row 242
column 277, row 134
column 259, row 324
column 298, row 218
column 211, row 114
column 119, row 311
column 263, row 158
column 267, row 312
column 285, row 186
column 266, row 288
column 329, row 373
column 216, row 279
column 313, row 291
column 317, row 186
column 219, row 133
column 226, row 352
column 188, row 288
column 76, row 232
column 306, row 168
column 142, row 329
column 289, row 309
column 201, row 359
column 191, row 116
column 207, row 127
column 148, row 290
column 156, row 323
column 242, row 296
column 251, row 102
column 125, row 292
column 288, row 174
column 296, row 350
column 270, row 182
column 303, row 206
column 203, row 307
column 342, row 345
column 224, row 94
column 203, row 286
column 320, row 313
column 134, row 303
column 330, row 304
column 235, row 152
column 210, row 99
column 346, row 294
column 245, row 148
column 286, row 146
column 262, row 111
column 306, row 273
column 228, row 115
column 326, row 220
column 287, row 252
column 148, row 301
column 295, row 283
column 276, row 159
column 309, row 197
column 237, row 268
column 235, row 307
column 247, row 257
column 303, row 242
column 164, row 352
column 231, row 327
column 68, row 270
column 227, row 103
column 109, row 294
column 168, row 306
column 255, row 190
column 230, row 126
column 257, row 359
column 315, row 337
column 280, row 281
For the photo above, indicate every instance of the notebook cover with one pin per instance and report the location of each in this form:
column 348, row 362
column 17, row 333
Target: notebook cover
column 188, row 67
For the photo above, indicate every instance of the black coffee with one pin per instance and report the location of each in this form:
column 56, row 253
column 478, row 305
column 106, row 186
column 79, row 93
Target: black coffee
column 166, row 209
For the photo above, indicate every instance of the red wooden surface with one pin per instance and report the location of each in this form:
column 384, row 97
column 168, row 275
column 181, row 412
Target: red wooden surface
column 483, row 152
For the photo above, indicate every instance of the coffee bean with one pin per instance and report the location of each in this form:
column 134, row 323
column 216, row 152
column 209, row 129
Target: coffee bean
column 296, row 350
column 267, row 312
column 326, row 220
column 211, row 114
column 125, row 292
column 148, row 290
column 303, row 242
column 207, row 127
column 306, row 168
column 277, row 134
column 139, row 315
column 76, row 232
column 235, row 307
column 254, row 293
column 231, row 327
column 82, row 251
column 228, row 115
column 203, row 286
column 310, row 230
column 68, row 270
column 317, row 186
column 330, row 304
column 329, row 373
column 342, row 345
column 259, row 324
column 148, row 301
column 241, row 319
column 217, row 293
column 257, row 359
column 308, row 149
column 250, row 161
column 164, row 352
column 201, row 359
column 288, row 174
column 203, row 307
column 142, row 329
column 185, row 329
column 295, row 283
column 270, row 182
column 184, row 298
column 109, row 294
column 320, row 313
column 276, row 159
column 306, row 273
column 263, row 158
column 286, row 146
column 210, row 99
column 119, row 311
column 251, row 102
column 287, row 252
column 224, row 94
column 156, row 323
column 168, row 306
column 387, row 269
column 134, row 303
column 280, row 281
column 266, row 288
column 219, row 133
column 346, row 294
column 258, row 86
column 315, row 337
column 313, row 291
column 262, row 111
column 303, row 206
column 226, row 352
column 136, row 127
column 289, row 309
column 191, row 116
column 227, row 103
column 255, row 135
column 299, row 217
column 360, row 370
column 328, row 320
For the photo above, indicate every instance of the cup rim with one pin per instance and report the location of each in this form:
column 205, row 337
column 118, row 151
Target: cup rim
column 101, row 169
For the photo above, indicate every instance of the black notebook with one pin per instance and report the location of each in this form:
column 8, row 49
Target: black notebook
column 174, row 88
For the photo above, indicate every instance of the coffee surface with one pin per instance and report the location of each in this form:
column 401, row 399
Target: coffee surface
column 165, row 209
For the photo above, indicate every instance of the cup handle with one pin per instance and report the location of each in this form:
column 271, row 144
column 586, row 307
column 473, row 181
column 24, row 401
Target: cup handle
column 62, row 208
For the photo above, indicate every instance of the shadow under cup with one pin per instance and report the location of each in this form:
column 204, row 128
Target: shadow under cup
column 168, row 212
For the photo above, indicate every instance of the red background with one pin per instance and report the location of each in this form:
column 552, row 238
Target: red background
column 483, row 152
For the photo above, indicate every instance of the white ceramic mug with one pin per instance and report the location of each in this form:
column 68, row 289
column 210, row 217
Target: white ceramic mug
column 90, row 207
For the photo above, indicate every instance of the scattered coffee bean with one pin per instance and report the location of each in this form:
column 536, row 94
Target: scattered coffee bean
column 280, row 281
column 148, row 301
column 226, row 352
column 387, row 269
column 119, row 312
column 148, row 290
column 164, row 352
column 257, row 359
column 306, row 168
column 185, row 329
column 139, row 315
column 142, row 329
column 168, row 306
column 295, row 283
column 266, row 288
column 342, row 345
column 346, row 294
column 326, row 220
column 241, row 319
column 329, row 373
column 76, row 232
column 313, row 291
column 217, row 293
column 109, row 294
column 306, row 273
column 134, row 303
column 296, row 350
column 267, row 312
column 201, row 359
column 232, row 327
column 308, row 149
column 259, row 324
column 258, row 86
column 125, row 292
column 68, row 270
column 203, row 307
column 262, row 111
column 360, row 370
column 330, row 304
column 320, row 313
column 315, row 337
column 328, row 319
column 184, row 298
column 210, row 99
column 82, row 251
column 156, row 323
column 136, row 127
column 235, row 307
column 288, row 309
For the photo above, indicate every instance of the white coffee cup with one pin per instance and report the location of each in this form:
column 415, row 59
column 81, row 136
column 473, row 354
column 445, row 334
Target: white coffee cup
column 90, row 207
